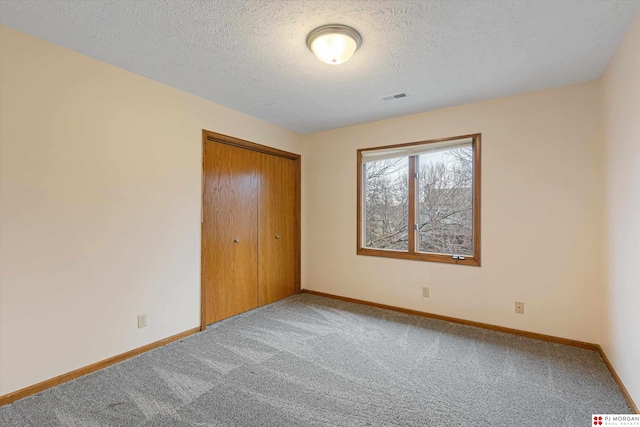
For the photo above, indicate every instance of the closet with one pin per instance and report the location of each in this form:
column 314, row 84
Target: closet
column 250, row 226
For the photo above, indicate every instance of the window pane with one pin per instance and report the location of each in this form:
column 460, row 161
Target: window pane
column 386, row 204
column 445, row 202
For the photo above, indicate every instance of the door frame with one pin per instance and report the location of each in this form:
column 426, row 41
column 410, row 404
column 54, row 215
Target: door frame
column 208, row 136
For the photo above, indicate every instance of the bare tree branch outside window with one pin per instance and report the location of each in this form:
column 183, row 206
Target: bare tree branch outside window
column 444, row 203
column 387, row 204
column 421, row 200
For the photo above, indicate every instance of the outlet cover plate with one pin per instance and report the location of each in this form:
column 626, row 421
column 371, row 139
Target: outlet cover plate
column 142, row 321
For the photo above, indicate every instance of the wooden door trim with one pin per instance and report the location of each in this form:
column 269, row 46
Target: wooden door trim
column 241, row 143
column 248, row 145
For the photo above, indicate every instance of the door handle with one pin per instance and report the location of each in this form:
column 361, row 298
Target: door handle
column 277, row 237
column 236, row 241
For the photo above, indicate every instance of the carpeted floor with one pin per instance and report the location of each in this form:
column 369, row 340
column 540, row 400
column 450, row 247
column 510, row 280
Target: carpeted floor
column 312, row 361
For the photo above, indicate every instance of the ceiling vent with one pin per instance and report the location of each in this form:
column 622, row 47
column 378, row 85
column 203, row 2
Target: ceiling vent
column 396, row 96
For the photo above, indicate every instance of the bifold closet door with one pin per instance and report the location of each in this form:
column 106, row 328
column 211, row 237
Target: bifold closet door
column 276, row 229
column 230, row 230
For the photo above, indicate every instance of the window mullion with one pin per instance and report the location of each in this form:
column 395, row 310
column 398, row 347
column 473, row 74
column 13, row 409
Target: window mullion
column 412, row 204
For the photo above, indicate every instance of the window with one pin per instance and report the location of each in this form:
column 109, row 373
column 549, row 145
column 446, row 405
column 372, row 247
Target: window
column 421, row 200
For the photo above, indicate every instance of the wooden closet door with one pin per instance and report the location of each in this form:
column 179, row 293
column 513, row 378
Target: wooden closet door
column 277, row 229
column 289, row 227
column 229, row 231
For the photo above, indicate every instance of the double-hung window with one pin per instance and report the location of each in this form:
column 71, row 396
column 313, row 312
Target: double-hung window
column 421, row 200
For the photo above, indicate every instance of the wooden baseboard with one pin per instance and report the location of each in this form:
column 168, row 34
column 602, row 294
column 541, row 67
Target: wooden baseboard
column 36, row 388
column 27, row 391
column 534, row 335
column 616, row 378
column 550, row 338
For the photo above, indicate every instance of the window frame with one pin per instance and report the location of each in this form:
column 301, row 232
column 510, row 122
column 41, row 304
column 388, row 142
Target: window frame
column 413, row 253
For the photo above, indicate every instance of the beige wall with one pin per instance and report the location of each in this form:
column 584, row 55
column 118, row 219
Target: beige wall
column 541, row 204
column 100, row 207
column 620, row 304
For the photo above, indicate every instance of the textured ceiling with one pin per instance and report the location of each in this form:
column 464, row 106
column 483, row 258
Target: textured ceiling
column 251, row 55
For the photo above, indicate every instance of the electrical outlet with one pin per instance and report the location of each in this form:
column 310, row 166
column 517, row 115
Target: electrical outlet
column 425, row 292
column 142, row 321
column 519, row 307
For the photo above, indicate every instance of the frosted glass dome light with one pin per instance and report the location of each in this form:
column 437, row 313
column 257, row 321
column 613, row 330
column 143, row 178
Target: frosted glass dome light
column 334, row 44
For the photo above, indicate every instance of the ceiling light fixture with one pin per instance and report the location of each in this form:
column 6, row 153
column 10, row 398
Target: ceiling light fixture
column 334, row 44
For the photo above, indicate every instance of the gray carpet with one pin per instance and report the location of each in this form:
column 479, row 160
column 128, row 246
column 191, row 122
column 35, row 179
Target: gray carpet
column 312, row 361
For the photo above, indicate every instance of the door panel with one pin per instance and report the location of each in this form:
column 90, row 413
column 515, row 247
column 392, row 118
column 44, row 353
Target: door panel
column 229, row 267
column 289, row 227
column 277, row 229
column 268, row 229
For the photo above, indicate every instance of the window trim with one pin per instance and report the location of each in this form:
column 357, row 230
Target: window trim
column 412, row 253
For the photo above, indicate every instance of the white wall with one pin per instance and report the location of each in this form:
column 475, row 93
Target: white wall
column 620, row 303
column 100, row 207
column 541, row 206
